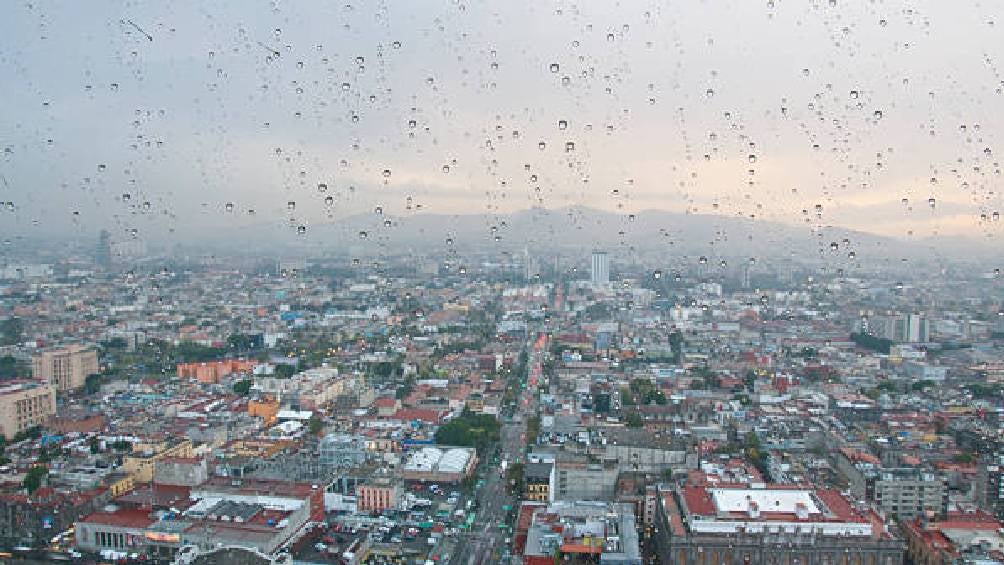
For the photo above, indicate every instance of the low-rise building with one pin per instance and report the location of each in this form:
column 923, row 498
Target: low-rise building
column 590, row 531
column 440, row 464
column 770, row 524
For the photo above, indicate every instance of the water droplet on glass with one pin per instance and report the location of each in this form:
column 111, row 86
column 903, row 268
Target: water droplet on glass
column 322, row 187
column 329, row 200
column 363, row 235
column 931, row 202
column 301, row 229
column 386, row 173
column 657, row 274
column 554, row 67
column 291, row 205
column 562, row 124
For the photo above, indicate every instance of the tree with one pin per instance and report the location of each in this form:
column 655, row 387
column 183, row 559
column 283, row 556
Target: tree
column 470, row 430
column 242, row 387
column 11, row 331
column 406, row 388
column 676, row 345
column 10, row 368
column 33, row 478
column 239, row 341
column 869, row 341
column 634, row 420
column 515, row 476
column 92, row 383
column 315, row 425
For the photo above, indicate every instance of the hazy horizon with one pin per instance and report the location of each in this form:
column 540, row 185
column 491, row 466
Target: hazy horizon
column 168, row 122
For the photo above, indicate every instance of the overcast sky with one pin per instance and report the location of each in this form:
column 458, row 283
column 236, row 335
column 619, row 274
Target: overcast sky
column 164, row 119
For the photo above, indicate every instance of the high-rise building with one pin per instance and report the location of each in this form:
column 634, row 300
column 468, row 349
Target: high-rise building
column 988, row 486
column 65, row 368
column 103, row 255
column 600, row 273
column 24, row 406
column 909, row 328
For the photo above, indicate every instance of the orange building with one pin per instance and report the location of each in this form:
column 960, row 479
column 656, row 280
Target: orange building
column 377, row 495
column 212, row 371
column 265, row 409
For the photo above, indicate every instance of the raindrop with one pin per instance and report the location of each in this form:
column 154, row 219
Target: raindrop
column 657, row 274
column 931, row 202
column 554, row 67
column 562, row 124
column 329, row 200
column 386, row 173
column 363, row 235
column 569, row 146
column 291, row 205
column 322, row 187
column 301, row 229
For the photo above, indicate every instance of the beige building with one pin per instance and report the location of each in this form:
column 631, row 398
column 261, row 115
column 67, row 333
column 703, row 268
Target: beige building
column 67, row 368
column 24, row 406
column 142, row 462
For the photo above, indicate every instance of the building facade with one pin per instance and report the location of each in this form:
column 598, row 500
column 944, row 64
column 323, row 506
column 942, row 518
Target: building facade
column 696, row 525
column 24, row 406
column 600, row 271
column 66, row 368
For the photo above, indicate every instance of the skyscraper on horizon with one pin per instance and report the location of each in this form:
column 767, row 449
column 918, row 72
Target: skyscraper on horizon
column 600, row 273
column 103, row 255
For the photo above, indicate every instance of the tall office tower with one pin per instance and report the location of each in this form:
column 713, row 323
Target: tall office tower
column 601, row 268
column 103, row 256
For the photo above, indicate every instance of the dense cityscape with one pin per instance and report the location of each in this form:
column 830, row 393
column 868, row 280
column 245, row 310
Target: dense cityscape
column 502, row 282
column 474, row 411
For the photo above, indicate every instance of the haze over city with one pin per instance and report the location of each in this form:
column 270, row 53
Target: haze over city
column 163, row 121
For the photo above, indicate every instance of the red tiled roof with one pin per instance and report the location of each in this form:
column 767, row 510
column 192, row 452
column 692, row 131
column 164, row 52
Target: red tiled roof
column 124, row 517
